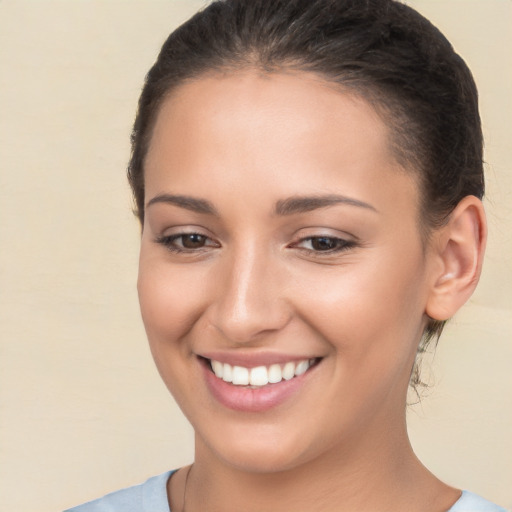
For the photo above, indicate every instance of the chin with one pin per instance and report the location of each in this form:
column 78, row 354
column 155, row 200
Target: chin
column 260, row 450
column 260, row 462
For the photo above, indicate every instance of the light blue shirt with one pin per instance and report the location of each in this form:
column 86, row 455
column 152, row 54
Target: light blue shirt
column 151, row 496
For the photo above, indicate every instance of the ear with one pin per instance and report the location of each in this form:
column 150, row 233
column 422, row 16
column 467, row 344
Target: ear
column 458, row 250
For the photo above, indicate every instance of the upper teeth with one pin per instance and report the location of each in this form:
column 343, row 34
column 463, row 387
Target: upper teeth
column 260, row 375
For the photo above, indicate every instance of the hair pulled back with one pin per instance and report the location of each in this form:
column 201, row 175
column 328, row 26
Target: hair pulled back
column 381, row 50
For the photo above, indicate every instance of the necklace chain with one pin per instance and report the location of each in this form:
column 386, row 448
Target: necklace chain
column 185, row 488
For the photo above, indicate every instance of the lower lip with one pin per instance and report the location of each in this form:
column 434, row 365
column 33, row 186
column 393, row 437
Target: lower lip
column 245, row 399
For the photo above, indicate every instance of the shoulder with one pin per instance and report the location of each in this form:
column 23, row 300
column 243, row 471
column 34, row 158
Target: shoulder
column 150, row 496
column 470, row 502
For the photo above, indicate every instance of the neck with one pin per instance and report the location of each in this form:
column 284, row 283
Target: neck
column 383, row 474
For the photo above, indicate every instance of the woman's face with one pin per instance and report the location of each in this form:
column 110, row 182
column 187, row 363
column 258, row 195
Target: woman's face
column 281, row 237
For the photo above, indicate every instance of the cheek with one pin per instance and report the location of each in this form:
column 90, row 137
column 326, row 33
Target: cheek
column 371, row 312
column 170, row 302
column 171, row 299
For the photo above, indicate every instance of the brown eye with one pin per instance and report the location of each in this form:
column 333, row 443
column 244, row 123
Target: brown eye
column 324, row 243
column 193, row 241
column 187, row 242
column 328, row 245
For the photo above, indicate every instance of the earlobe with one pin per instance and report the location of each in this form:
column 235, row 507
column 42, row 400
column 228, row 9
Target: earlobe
column 458, row 254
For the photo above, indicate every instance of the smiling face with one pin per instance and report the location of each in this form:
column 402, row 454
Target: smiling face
column 281, row 237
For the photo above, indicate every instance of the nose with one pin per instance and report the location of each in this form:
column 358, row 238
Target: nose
column 250, row 300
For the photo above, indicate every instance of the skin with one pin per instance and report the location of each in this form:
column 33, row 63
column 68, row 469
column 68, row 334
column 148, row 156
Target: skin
column 246, row 142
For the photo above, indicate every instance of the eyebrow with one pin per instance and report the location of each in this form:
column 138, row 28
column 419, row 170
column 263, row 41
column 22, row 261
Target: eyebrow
column 284, row 207
column 302, row 204
column 189, row 203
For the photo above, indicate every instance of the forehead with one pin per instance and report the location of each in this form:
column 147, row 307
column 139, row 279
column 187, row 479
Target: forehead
column 249, row 99
column 279, row 133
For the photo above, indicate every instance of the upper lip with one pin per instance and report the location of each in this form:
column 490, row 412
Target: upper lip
column 252, row 360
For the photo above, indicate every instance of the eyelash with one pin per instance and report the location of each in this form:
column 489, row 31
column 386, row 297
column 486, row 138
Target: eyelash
column 340, row 244
column 170, row 242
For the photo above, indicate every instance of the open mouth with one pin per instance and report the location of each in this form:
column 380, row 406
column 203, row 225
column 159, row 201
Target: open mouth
column 259, row 376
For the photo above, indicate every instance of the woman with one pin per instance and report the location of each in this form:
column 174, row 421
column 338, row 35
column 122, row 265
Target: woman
column 308, row 176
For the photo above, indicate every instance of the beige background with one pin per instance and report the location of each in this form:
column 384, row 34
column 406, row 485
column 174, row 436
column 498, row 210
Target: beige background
column 83, row 411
